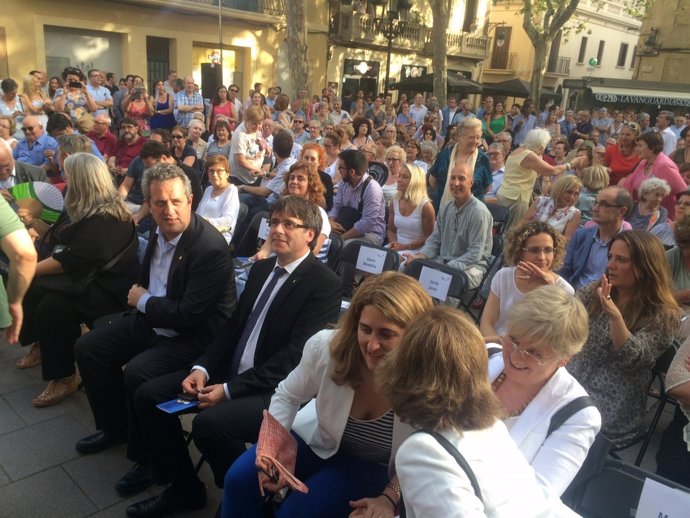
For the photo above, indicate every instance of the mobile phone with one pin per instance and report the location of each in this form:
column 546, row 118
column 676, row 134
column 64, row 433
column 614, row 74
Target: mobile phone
column 75, row 84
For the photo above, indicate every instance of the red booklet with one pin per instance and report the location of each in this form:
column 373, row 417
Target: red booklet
column 276, row 454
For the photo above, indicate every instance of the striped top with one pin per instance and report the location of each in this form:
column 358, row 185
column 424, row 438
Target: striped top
column 369, row 440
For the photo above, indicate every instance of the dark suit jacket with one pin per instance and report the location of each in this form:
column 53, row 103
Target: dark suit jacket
column 306, row 303
column 201, row 287
column 29, row 173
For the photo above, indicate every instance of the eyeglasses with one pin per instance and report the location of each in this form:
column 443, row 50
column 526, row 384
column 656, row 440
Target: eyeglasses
column 313, row 129
column 536, row 250
column 428, row 133
column 392, row 159
column 494, row 154
column 27, row 128
column 216, row 171
column 100, row 122
column 526, row 354
column 286, row 223
column 605, row 205
column 177, row 137
column 299, row 122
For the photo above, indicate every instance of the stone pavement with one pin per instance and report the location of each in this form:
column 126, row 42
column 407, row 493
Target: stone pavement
column 41, row 474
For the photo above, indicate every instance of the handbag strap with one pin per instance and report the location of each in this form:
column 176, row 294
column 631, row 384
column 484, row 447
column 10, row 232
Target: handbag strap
column 567, row 411
column 110, row 264
column 360, row 207
column 462, row 462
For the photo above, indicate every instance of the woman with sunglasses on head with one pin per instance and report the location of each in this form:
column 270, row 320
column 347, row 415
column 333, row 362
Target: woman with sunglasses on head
column 532, row 253
column 347, row 435
column 633, row 318
column 622, row 157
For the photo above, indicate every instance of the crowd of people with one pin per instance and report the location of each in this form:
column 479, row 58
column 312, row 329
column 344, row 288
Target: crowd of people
column 163, row 189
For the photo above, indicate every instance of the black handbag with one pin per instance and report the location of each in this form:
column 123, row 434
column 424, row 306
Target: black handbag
column 348, row 216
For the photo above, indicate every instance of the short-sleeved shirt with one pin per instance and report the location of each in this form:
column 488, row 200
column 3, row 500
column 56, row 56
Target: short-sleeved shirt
column 9, row 222
column 105, row 144
column 125, row 153
column 100, row 94
column 33, row 154
column 182, row 99
column 247, row 144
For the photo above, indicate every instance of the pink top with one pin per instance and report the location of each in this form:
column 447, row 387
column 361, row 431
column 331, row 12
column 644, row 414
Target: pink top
column 663, row 168
column 222, row 110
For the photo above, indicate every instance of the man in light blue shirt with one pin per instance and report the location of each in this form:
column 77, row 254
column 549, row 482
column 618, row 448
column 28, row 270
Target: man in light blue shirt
column 36, row 148
column 100, row 94
column 187, row 102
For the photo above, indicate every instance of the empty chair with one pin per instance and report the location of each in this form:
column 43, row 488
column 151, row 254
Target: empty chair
column 501, row 215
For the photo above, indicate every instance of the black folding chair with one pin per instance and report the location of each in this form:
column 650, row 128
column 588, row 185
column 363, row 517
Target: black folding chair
column 501, row 215
column 494, row 264
column 351, row 276
column 246, row 244
column 615, row 491
column 458, row 278
column 334, row 250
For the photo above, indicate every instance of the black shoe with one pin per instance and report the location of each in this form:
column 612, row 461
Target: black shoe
column 170, row 501
column 137, row 479
column 101, row 440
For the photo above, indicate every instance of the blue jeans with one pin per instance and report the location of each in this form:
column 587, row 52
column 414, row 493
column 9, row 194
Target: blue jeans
column 332, row 483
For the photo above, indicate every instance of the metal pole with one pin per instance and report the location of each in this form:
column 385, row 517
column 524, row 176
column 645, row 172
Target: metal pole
column 388, row 63
column 220, row 36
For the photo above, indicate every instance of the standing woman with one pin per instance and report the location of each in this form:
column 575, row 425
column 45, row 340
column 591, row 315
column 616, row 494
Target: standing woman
column 315, row 157
column 654, row 163
column 621, row 158
column 55, row 84
column 71, row 285
column 348, row 435
column 552, row 125
column 139, row 106
column 633, row 318
column 682, row 156
column 466, row 151
column 260, row 101
column 163, row 104
column 11, row 105
column 222, row 106
column 411, row 214
column 35, row 102
column 220, row 204
column 496, row 122
column 74, row 99
column 522, row 168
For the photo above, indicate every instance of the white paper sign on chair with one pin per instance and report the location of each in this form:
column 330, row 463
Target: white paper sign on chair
column 435, row 283
column 263, row 229
column 370, row 260
column 660, row 501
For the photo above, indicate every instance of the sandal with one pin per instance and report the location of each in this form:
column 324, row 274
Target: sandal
column 57, row 390
column 30, row 359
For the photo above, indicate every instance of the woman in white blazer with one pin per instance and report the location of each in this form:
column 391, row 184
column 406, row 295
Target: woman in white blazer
column 437, row 382
column 544, row 330
column 348, row 435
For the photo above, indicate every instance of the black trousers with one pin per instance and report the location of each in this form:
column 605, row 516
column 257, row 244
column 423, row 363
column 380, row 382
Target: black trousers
column 52, row 318
column 220, row 432
column 127, row 340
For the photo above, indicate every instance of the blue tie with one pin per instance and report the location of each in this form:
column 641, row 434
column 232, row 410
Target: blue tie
column 278, row 272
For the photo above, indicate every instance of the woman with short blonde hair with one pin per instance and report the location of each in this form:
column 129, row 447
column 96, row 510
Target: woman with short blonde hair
column 559, row 209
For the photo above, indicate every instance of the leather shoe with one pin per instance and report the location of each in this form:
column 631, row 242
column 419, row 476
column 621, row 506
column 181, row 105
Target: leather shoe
column 137, row 479
column 170, row 501
column 101, row 440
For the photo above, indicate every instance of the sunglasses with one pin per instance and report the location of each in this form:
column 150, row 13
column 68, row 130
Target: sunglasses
column 177, row 137
column 27, row 128
column 233, row 90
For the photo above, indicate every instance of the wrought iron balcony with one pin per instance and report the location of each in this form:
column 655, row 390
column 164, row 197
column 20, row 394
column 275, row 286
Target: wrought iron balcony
column 559, row 66
column 266, row 7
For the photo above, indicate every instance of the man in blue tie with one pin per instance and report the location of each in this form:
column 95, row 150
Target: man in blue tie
column 287, row 299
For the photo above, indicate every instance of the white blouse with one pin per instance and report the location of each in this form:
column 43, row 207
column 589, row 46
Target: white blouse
column 221, row 211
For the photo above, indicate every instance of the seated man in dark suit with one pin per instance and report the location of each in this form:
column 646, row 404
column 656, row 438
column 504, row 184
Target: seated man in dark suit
column 185, row 295
column 287, row 299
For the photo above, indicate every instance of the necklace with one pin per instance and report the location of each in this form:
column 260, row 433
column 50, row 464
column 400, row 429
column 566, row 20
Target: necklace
column 497, row 383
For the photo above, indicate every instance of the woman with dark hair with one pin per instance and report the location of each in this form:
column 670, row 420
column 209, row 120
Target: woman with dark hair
column 139, row 106
column 348, row 435
column 74, row 99
column 362, row 127
column 495, row 121
column 220, row 204
column 163, row 104
column 633, row 318
column 437, row 381
column 282, row 114
column 222, row 106
column 654, row 163
column 181, row 150
column 54, row 85
column 11, row 104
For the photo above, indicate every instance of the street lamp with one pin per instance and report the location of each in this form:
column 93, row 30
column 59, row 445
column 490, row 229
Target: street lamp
column 390, row 19
column 500, row 33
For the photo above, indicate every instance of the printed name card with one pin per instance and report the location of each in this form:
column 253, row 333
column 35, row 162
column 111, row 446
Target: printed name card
column 370, row 260
column 263, row 229
column 435, row 283
column 660, row 501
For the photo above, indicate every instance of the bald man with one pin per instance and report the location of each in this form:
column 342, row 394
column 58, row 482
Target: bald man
column 13, row 173
column 36, row 148
column 102, row 136
column 187, row 102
